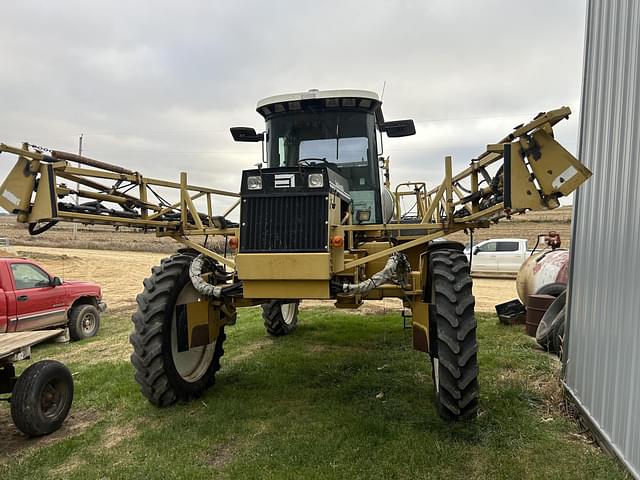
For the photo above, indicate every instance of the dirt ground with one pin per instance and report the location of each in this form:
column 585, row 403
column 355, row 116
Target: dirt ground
column 120, row 273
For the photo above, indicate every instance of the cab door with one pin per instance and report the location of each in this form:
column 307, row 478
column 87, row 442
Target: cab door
column 510, row 257
column 484, row 258
column 38, row 303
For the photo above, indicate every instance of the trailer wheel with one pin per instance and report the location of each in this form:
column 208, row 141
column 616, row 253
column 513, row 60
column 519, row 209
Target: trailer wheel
column 84, row 322
column 453, row 347
column 41, row 398
column 165, row 375
column 280, row 317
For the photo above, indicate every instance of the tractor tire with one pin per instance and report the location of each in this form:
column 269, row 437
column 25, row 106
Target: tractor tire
column 545, row 331
column 84, row 322
column 41, row 398
column 557, row 332
column 165, row 375
column 280, row 317
column 553, row 289
column 454, row 349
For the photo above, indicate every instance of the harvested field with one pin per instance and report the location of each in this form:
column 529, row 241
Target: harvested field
column 526, row 226
column 120, row 260
column 96, row 237
column 99, row 237
column 120, row 273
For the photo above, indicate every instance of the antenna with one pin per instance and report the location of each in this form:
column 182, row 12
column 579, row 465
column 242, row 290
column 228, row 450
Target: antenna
column 384, row 85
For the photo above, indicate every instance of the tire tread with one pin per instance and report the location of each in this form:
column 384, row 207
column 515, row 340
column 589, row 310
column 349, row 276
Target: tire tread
column 457, row 348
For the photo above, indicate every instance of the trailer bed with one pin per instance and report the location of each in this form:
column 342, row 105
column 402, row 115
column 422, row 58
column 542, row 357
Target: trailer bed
column 17, row 342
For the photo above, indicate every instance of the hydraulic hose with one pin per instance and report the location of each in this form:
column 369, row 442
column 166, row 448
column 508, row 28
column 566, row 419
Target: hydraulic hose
column 396, row 271
column 205, row 288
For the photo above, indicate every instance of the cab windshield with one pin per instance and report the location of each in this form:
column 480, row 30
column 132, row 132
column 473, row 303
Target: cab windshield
column 340, row 139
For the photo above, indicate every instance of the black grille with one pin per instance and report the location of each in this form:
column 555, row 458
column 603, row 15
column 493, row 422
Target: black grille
column 295, row 223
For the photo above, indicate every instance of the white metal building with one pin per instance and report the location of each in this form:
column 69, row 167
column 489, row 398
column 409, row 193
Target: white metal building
column 602, row 362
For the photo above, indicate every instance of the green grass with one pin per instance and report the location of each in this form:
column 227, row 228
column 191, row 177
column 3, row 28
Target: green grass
column 305, row 406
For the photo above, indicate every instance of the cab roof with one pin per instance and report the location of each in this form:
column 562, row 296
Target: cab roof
column 333, row 98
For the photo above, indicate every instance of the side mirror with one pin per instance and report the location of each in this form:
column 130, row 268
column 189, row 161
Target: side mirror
column 55, row 282
column 246, row 134
column 476, row 250
column 398, row 128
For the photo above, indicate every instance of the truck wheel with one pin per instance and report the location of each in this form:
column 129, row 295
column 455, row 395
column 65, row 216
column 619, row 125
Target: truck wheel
column 280, row 317
column 165, row 375
column 84, row 322
column 454, row 347
column 41, row 398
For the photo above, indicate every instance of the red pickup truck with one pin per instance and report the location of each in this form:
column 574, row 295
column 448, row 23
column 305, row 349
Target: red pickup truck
column 31, row 299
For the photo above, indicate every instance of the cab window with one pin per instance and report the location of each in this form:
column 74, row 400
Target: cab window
column 487, row 247
column 342, row 140
column 28, row 276
column 343, row 151
column 507, row 247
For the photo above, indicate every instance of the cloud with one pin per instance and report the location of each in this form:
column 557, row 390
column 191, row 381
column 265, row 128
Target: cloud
column 155, row 85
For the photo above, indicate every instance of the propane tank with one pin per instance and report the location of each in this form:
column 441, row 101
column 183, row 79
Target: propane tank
column 550, row 266
column 388, row 205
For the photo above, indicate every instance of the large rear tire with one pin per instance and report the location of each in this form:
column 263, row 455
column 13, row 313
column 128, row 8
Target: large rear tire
column 546, row 330
column 553, row 289
column 453, row 347
column 165, row 375
column 280, row 317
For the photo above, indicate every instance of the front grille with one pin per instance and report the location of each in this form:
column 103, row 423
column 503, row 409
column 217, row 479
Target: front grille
column 293, row 223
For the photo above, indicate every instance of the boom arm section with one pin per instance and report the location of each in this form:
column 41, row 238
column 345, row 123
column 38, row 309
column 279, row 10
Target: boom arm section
column 531, row 171
column 535, row 171
column 526, row 170
column 36, row 186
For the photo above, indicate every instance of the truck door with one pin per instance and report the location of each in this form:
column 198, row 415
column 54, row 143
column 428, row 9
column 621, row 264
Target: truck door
column 4, row 318
column 38, row 304
column 509, row 256
column 484, row 258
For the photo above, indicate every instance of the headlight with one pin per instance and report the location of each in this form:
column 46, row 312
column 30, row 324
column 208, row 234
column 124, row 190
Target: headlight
column 254, row 183
column 316, row 180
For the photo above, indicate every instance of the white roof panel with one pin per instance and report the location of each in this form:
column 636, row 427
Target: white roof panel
column 314, row 94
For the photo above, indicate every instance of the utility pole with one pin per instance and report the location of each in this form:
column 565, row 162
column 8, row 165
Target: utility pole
column 75, row 225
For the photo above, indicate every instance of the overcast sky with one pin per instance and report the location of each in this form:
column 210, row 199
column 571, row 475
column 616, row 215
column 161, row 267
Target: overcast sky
column 155, row 85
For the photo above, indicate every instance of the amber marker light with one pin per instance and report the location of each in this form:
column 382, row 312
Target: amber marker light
column 233, row 242
column 337, row 241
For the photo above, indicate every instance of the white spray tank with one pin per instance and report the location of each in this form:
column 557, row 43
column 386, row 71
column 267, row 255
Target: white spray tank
column 543, row 268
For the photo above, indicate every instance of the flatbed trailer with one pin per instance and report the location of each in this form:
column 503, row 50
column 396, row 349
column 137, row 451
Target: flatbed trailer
column 41, row 396
column 17, row 345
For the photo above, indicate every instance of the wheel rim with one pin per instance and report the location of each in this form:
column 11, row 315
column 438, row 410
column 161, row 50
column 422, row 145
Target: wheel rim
column 88, row 323
column 53, row 398
column 193, row 364
column 288, row 311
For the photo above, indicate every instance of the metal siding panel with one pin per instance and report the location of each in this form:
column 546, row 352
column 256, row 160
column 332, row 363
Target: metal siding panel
column 602, row 366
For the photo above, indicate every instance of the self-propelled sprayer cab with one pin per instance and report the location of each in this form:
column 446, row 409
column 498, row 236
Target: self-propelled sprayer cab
column 336, row 129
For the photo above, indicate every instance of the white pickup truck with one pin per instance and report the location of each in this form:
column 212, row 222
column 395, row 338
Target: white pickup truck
column 498, row 256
